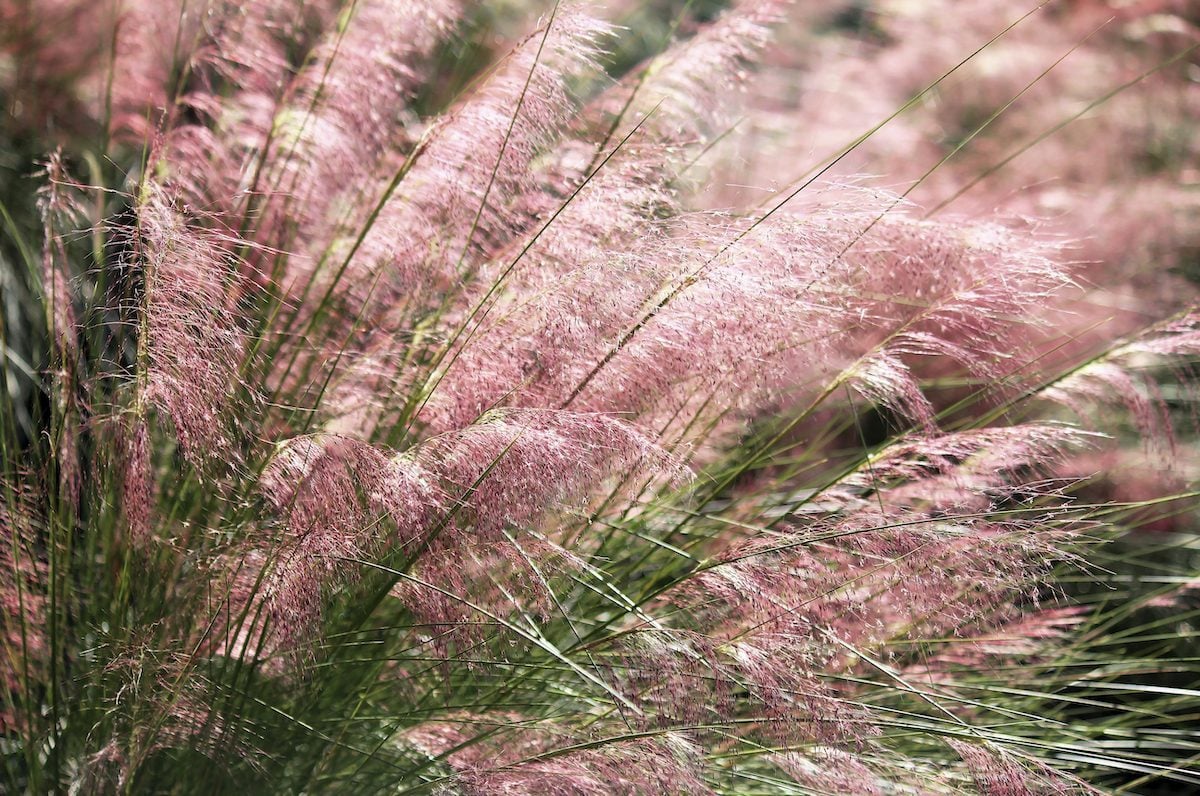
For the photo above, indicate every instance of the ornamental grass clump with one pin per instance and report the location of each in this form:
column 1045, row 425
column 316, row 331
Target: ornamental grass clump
column 388, row 409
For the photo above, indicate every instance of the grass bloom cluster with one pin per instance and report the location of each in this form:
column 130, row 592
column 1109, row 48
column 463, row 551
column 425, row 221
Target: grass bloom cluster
column 406, row 396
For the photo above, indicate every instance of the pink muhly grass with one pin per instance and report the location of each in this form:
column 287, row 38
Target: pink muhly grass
column 192, row 343
column 150, row 41
column 638, row 765
column 791, row 612
column 137, row 480
column 506, row 468
column 455, row 203
column 1116, row 376
column 565, row 303
column 391, row 440
column 343, row 109
column 209, row 141
column 781, row 292
column 830, row 771
column 23, row 575
column 716, row 58
column 60, row 211
column 344, row 500
column 998, row 773
column 460, row 199
column 1028, row 636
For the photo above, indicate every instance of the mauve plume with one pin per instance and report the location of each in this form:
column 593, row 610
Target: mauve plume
column 457, row 201
column 702, row 307
column 232, row 74
column 23, row 588
column 857, row 581
column 462, row 195
column 975, row 468
column 343, row 502
column 998, row 772
column 608, row 207
column 711, row 64
column 137, row 480
column 346, row 503
column 1027, row 637
column 60, row 212
column 344, row 112
column 152, row 42
column 827, row 770
column 521, row 757
column 191, row 343
column 1124, row 376
column 512, row 465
